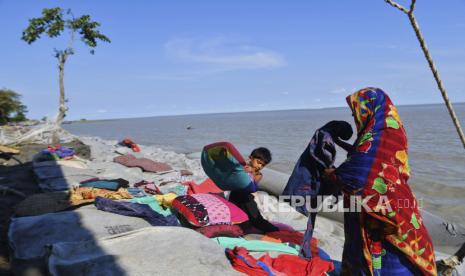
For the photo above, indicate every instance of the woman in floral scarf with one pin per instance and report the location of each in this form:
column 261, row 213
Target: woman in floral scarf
column 387, row 236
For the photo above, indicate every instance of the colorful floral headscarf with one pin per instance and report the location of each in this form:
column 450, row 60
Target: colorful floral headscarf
column 378, row 171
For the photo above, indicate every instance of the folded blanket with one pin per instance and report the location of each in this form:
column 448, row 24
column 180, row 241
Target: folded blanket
column 145, row 164
column 109, row 184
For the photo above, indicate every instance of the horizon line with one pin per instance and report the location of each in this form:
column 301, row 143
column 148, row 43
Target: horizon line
column 234, row 112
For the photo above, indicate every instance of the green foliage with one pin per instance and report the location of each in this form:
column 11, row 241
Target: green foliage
column 53, row 23
column 11, row 108
column 88, row 31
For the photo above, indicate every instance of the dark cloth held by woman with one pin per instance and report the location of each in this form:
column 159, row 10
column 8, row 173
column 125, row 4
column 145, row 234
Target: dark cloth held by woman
column 305, row 181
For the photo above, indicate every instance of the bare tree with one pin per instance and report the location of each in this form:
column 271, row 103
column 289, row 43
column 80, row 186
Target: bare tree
column 53, row 23
column 432, row 66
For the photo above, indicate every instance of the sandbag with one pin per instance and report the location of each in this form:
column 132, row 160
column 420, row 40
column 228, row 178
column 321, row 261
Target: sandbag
column 147, row 251
column 62, row 183
column 56, row 171
column 59, row 178
column 28, row 236
column 225, row 166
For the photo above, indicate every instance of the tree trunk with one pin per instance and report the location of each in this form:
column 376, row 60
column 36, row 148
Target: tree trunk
column 62, row 107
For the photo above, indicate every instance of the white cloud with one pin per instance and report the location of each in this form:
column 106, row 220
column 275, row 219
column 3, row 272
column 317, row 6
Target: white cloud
column 339, row 91
column 102, row 111
column 344, row 91
column 223, row 52
column 285, row 93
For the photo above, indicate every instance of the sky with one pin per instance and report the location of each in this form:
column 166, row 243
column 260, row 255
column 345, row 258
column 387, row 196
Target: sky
column 187, row 57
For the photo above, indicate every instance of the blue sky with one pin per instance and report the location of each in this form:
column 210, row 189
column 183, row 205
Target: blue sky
column 183, row 57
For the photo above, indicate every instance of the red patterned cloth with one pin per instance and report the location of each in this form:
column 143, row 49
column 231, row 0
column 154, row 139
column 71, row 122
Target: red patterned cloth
column 208, row 209
column 221, row 230
column 282, row 265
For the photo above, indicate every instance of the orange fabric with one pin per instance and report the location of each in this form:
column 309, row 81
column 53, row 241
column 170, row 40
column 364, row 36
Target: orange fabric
column 270, row 239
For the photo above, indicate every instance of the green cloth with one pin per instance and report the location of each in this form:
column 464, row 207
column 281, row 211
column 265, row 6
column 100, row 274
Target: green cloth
column 153, row 203
column 178, row 189
column 256, row 245
column 102, row 184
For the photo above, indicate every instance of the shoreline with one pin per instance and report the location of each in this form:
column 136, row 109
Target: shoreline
column 328, row 231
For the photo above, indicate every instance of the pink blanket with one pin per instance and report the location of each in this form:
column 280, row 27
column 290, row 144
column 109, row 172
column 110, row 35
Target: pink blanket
column 145, row 164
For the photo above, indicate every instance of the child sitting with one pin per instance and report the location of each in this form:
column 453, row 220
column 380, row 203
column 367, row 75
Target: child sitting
column 244, row 199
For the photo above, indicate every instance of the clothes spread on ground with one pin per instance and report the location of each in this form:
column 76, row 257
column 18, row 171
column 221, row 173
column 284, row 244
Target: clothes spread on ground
column 221, row 230
column 282, row 265
column 152, row 203
column 136, row 192
column 165, row 200
column 378, row 170
column 130, row 144
column 148, row 187
column 176, row 188
column 145, row 164
column 286, row 236
column 257, row 245
column 80, row 195
column 135, row 210
column 56, row 153
column 109, row 184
